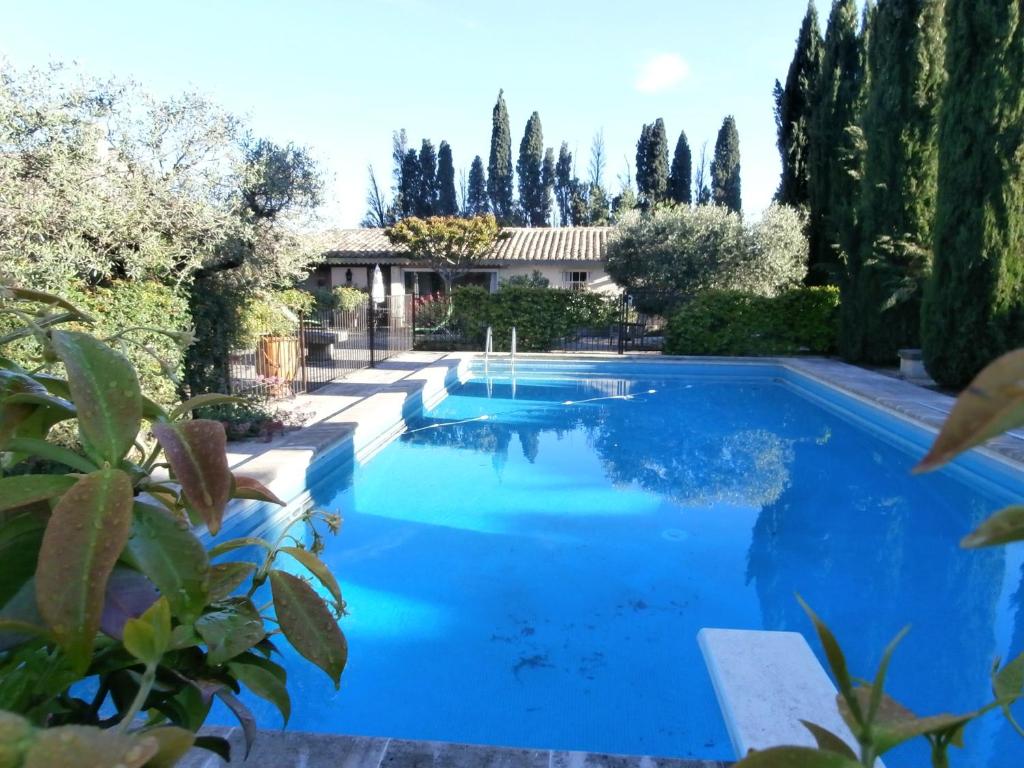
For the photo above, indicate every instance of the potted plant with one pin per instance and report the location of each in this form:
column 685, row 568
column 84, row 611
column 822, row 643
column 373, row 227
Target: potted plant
column 270, row 326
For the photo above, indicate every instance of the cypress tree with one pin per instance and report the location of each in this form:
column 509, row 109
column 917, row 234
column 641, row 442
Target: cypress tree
column 725, row 167
column 657, row 164
column 900, row 180
column 529, row 169
column 564, row 186
column 426, row 196
column 547, row 176
column 447, row 202
column 832, row 188
column 973, row 307
column 476, row 196
column 643, row 152
column 793, row 105
column 680, row 179
column 499, row 165
column 409, row 184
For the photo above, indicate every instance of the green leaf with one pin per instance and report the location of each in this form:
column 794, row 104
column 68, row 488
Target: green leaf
column 42, row 297
column 828, row 741
column 83, row 540
column 232, row 544
column 316, row 566
column 197, row 453
column 1008, row 685
column 991, row 404
column 15, row 735
column 22, row 490
column 21, row 534
column 249, row 488
column 50, row 452
column 172, row 745
column 1003, row 527
column 20, row 619
column 215, row 744
column 165, row 549
column 61, row 408
column 202, row 401
column 105, row 390
column 85, row 746
column 232, row 629
column 837, row 663
column 877, row 688
column 265, row 679
column 245, row 718
column 148, row 637
column 795, row 757
column 225, row 578
column 308, row 624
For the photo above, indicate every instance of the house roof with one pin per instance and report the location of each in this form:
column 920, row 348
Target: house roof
column 523, row 244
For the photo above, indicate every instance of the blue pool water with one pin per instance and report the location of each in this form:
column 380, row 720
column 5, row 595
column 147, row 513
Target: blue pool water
column 530, row 563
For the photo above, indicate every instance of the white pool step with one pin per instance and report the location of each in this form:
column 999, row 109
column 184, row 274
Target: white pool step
column 766, row 683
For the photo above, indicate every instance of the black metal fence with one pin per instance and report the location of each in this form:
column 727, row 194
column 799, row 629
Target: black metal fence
column 321, row 347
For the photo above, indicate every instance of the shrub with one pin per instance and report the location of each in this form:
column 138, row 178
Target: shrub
column 672, row 254
column 541, row 316
column 736, row 323
column 266, row 315
column 297, row 300
column 348, row 299
column 535, row 279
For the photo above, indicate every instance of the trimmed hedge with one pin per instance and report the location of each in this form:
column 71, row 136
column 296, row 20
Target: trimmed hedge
column 541, row 316
column 736, row 323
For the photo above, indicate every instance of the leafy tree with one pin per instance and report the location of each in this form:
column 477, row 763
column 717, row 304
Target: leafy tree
column 499, row 166
column 598, row 206
column 449, row 245
column 793, row 106
column 832, row 185
column 974, row 300
column 532, row 191
column 900, row 174
column 378, row 212
column 427, row 186
column 680, row 178
column 547, row 176
column 447, row 204
column 409, row 187
column 476, row 194
column 565, row 186
column 725, row 167
column 673, row 253
column 597, row 160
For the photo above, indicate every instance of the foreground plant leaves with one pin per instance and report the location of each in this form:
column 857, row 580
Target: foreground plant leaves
column 83, row 746
column 992, row 404
column 1008, row 686
column 250, row 488
column 12, row 415
column 265, row 679
column 796, row 757
column 105, row 391
column 165, row 549
column 829, row 741
column 308, row 624
column 21, row 533
column 25, row 489
column 225, row 578
column 129, row 595
column 83, row 539
column 197, row 453
column 233, row 629
column 316, row 566
column 1003, row 527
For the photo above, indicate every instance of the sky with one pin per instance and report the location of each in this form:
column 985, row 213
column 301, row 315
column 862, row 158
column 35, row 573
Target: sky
column 339, row 77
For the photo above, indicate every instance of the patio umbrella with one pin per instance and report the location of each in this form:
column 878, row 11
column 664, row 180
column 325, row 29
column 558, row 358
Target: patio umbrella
column 377, row 286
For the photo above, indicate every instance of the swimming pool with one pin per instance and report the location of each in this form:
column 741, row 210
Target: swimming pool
column 529, row 563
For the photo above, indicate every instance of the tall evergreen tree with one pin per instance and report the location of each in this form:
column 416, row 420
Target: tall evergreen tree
column 974, row 300
column 681, row 177
column 793, row 105
column 476, row 195
column 564, row 186
column 643, row 152
column 832, row 188
column 656, row 165
column 529, row 170
column 725, row 167
column 547, row 176
column 896, row 206
column 447, row 202
column 409, row 185
column 426, row 191
column 399, row 147
column 499, row 166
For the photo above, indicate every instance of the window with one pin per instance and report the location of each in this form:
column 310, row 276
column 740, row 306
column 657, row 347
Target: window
column 576, row 281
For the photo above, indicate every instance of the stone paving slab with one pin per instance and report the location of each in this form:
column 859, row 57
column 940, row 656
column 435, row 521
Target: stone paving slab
column 295, row 749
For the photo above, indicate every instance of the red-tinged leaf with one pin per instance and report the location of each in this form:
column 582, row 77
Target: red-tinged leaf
column 225, row 578
column 105, row 390
column 795, row 757
column 829, row 741
column 86, row 746
column 232, row 544
column 129, row 595
column 245, row 718
column 197, row 453
column 249, row 488
column 1003, row 527
column 202, row 401
column 164, row 548
column 84, row 538
column 21, row 490
column 316, row 566
column 308, row 624
column 992, row 404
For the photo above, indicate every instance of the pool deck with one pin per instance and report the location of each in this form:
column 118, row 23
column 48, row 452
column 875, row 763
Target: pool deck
column 366, row 410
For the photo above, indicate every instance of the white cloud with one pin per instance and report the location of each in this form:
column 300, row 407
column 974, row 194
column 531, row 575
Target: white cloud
column 662, row 72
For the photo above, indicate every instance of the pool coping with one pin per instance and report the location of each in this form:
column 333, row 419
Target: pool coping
column 360, row 429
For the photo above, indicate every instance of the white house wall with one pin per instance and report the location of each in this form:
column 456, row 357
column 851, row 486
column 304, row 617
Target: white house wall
column 597, row 279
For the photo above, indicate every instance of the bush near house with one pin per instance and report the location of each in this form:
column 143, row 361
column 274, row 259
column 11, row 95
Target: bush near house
column 541, row 316
column 737, row 323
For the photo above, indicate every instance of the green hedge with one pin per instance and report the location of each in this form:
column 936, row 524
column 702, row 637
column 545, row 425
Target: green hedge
column 735, row 323
column 541, row 316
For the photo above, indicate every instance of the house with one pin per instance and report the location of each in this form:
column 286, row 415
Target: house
column 569, row 257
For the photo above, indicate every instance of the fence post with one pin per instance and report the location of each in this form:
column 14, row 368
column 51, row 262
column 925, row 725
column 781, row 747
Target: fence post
column 412, row 327
column 371, row 326
column 623, row 316
column 302, row 353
